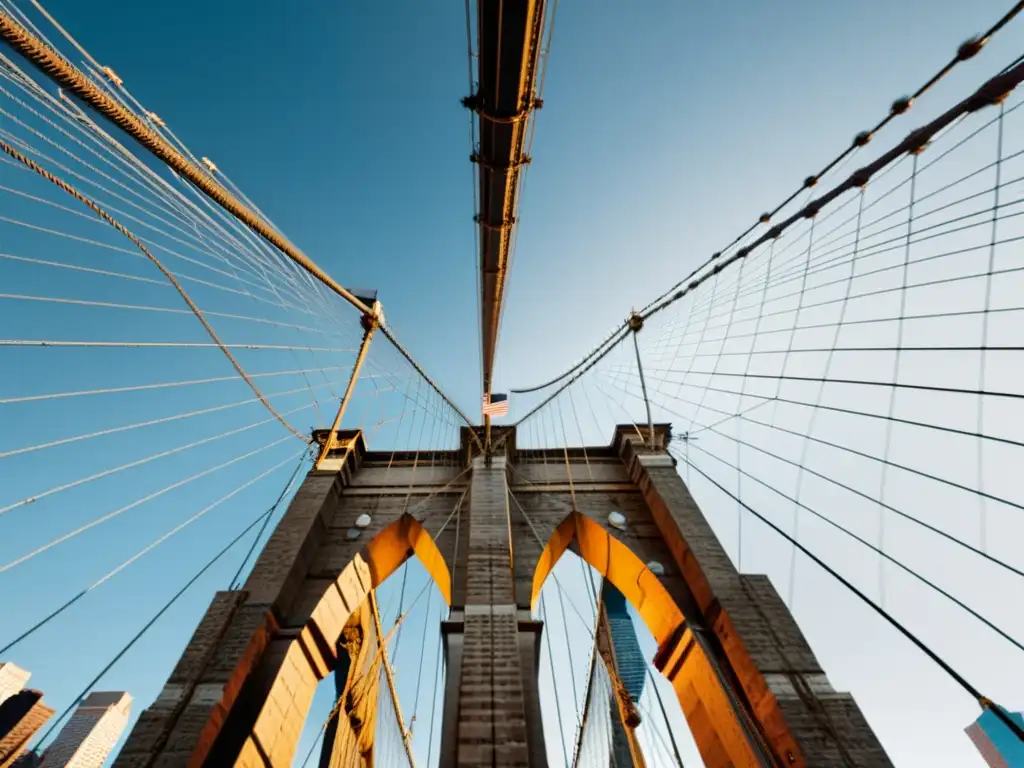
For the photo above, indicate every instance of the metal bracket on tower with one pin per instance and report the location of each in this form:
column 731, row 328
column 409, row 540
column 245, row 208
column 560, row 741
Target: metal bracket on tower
column 635, row 322
column 370, row 323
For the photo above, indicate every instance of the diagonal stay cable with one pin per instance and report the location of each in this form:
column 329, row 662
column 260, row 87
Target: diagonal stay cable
column 876, row 549
column 151, row 546
column 56, row 67
column 142, row 500
column 869, row 383
column 158, row 344
column 990, row 92
column 899, row 107
column 139, row 424
column 985, row 702
column 138, row 462
column 765, row 399
column 620, row 334
column 158, row 385
column 991, row 558
column 149, row 308
column 174, row 281
column 149, row 624
column 235, row 580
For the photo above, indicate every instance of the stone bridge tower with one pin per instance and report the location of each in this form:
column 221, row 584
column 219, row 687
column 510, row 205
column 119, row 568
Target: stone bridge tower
column 749, row 685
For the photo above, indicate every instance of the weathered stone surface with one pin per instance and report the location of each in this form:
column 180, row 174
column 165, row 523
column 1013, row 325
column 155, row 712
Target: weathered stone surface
column 742, row 670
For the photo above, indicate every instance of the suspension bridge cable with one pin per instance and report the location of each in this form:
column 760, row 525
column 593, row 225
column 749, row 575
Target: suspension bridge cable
column 159, row 246
column 389, row 673
column 868, row 253
column 416, row 366
column 160, row 345
column 139, row 425
column 554, row 682
column 982, row 700
column 664, row 716
column 583, row 361
column 621, row 335
column 40, row 495
column 687, row 459
column 141, row 553
column 149, row 624
column 419, row 666
column 899, row 107
column 174, row 281
column 437, row 689
column 158, row 385
column 991, row 92
column 876, row 549
column 585, row 719
column 235, row 582
column 867, row 497
column 146, row 308
column 765, row 400
column 59, row 69
column 885, row 462
column 127, row 507
column 985, row 323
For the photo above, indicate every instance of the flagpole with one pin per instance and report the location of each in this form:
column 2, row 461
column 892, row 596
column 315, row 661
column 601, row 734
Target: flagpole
column 494, row 404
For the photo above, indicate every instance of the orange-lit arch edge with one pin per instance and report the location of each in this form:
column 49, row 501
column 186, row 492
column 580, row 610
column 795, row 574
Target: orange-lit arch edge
column 617, row 563
column 310, row 657
column 377, row 560
column 724, row 743
column 405, row 537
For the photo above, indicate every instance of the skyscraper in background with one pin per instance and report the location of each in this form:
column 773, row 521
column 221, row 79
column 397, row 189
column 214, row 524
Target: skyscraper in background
column 91, row 733
column 21, row 715
column 630, row 666
column 998, row 745
column 12, row 680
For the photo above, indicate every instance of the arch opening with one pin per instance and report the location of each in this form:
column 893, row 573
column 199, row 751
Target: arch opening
column 293, row 664
column 581, row 705
column 353, row 720
column 616, row 562
column 715, row 719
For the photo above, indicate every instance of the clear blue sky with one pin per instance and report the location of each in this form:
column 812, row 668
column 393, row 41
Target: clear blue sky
column 667, row 128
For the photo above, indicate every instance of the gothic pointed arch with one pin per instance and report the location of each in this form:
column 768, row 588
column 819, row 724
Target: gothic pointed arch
column 308, row 658
column 721, row 727
column 616, row 562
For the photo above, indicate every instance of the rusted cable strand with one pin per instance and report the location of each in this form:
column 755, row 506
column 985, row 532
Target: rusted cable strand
column 156, row 262
column 992, row 92
column 966, row 51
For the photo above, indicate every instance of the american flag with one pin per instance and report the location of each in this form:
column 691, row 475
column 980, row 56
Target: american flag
column 498, row 405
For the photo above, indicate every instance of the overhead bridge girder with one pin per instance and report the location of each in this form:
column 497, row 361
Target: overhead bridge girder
column 508, row 45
